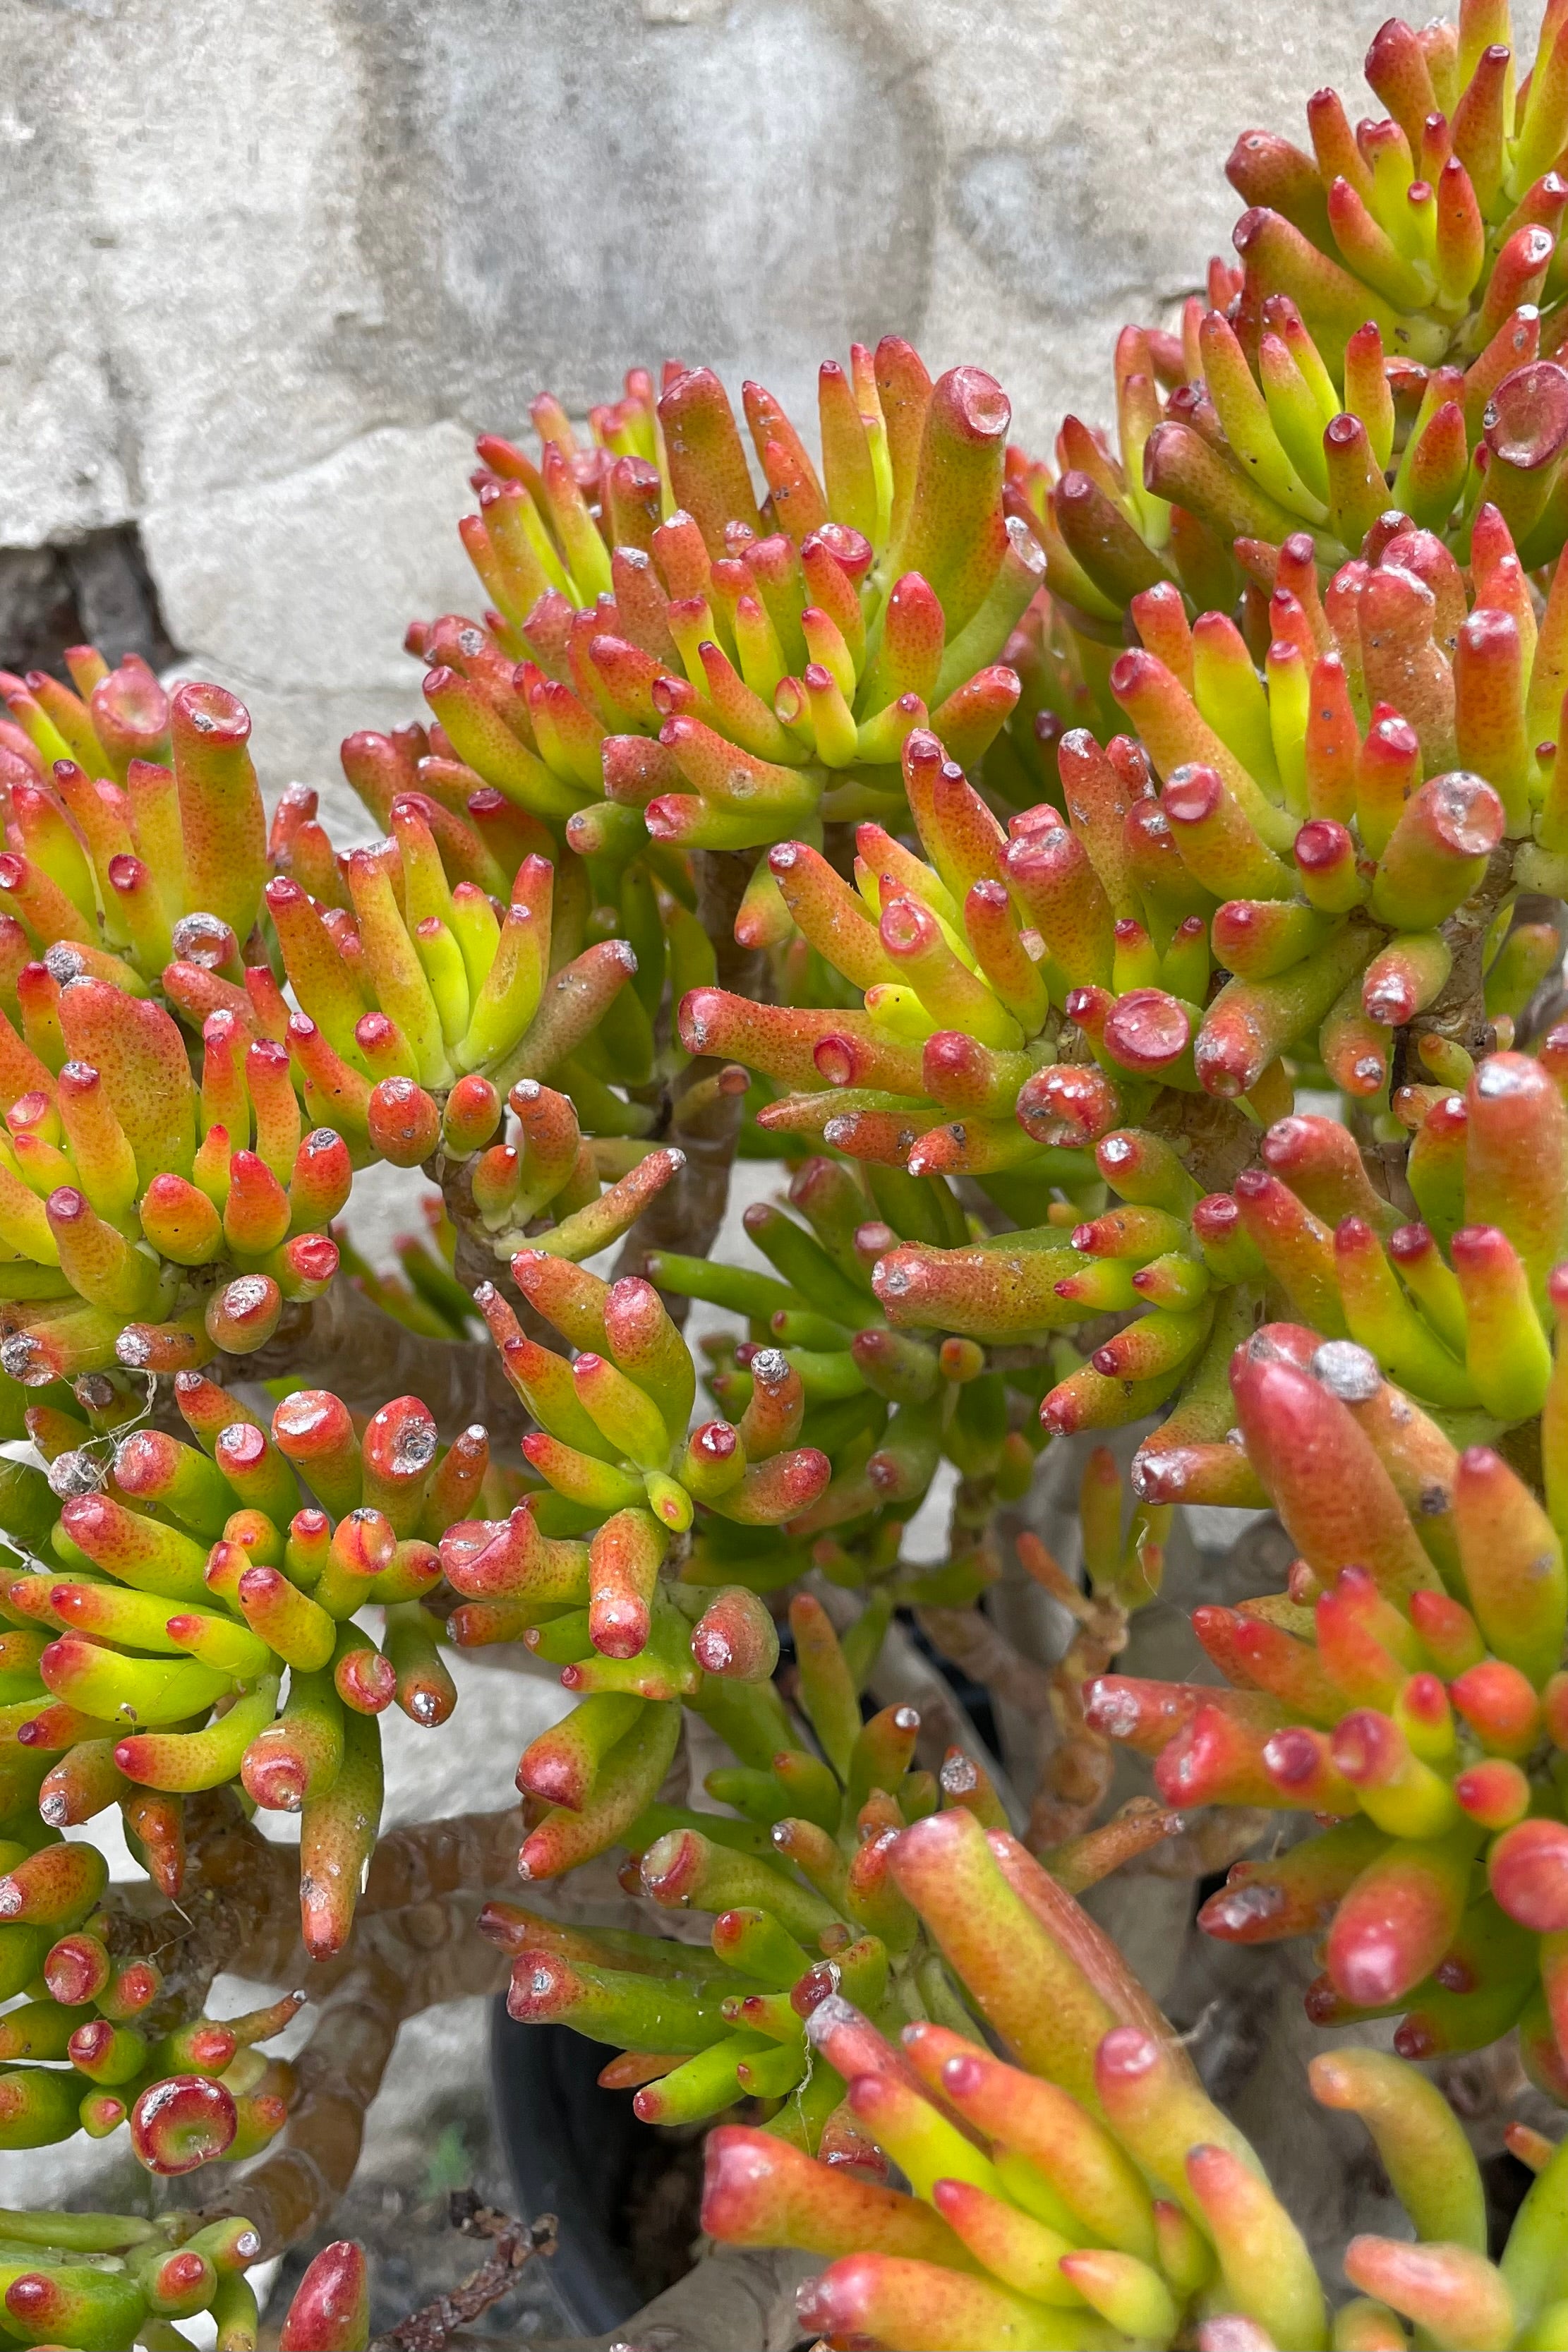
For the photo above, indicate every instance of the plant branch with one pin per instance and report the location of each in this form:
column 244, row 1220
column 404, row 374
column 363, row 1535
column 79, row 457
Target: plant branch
column 351, row 1347
column 397, row 1963
column 238, row 1908
column 427, row 1860
column 734, row 2299
column 969, row 1639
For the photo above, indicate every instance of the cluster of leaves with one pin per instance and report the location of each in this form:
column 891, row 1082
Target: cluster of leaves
column 664, row 666
column 795, row 1861
column 179, row 1579
column 1390, row 332
column 1083, row 2190
column 1408, row 1683
column 1030, row 1046
column 161, row 1204
column 1053, row 990
column 97, row 2279
column 164, row 1591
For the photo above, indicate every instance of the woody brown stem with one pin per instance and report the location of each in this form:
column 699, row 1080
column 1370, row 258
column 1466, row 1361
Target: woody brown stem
column 686, row 1216
column 1460, row 1012
column 238, row 1908
column 413, row 1947
column 734, row 2299
column 430, row 1859
column 1218, row 1139
column 722, row 876
column 346, row 1344
column 972, row 1642
column 397, row 1963
column 1213, row 1840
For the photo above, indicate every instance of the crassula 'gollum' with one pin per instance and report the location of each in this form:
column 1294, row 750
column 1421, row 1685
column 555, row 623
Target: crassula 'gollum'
column 1124, row 899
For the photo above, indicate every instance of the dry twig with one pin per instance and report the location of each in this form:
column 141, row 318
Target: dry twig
column 513, row 2244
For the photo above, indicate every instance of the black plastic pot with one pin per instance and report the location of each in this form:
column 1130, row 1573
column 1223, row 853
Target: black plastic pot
column 575, row 2151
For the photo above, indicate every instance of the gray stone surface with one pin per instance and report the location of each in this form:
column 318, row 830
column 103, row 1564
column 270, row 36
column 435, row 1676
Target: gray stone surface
column 267, row 271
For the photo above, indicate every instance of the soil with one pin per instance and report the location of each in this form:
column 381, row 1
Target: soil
column 663, row 2201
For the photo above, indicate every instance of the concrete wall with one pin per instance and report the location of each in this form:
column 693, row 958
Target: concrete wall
column 268, row 269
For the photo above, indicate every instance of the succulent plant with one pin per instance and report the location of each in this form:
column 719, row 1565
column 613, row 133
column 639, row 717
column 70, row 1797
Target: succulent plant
column 1083, row 2189
column 1126, row 904
column 178, row 835
column 463, row 1009
column 94, row 2279
column 1089, row 1005
column 1387, row 338
column 1406, row 1682
column 611, row 1572
column 158, row 1209
column 665, row 662
column 798, row 1871
column 180, row 1581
